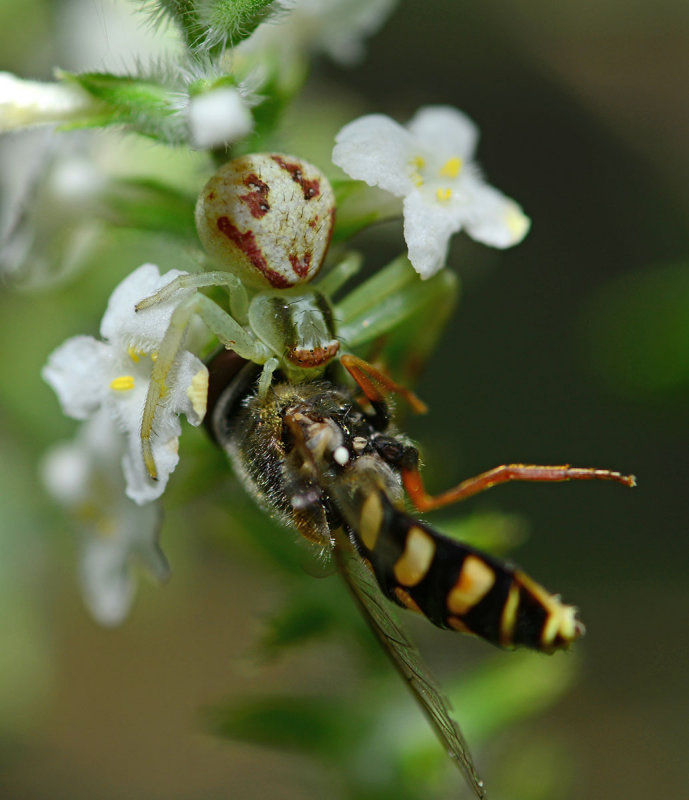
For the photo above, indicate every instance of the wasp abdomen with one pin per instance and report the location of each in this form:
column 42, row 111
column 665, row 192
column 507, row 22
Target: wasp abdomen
column 456, row 586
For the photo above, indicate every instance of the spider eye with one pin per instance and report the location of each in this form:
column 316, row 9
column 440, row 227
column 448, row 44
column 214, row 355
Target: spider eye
column 268, row 219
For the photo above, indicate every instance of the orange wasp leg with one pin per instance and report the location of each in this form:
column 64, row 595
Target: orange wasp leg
column 423, row 501
column 376, row 385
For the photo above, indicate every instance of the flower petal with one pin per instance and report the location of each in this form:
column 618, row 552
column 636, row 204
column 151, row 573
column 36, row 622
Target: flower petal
column 445, row 131
column 428, row 227
column 377, row 150
column 76, row 372
column 495, row 219
column 189, row 388
column 122, row 324
column 141, row 488
column 107, row 585
column 107, row 581
column 218, row 117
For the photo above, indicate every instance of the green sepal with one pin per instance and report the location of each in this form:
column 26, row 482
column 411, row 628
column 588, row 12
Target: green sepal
column 208, row 27
column 142, row 105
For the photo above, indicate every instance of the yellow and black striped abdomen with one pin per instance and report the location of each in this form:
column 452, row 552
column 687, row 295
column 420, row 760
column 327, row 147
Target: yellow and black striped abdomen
column 456, row 586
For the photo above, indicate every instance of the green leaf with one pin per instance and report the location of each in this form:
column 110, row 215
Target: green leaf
column 314, row 725
column 301, row 619
column 637, row 332
column 152, row 205
column 509, row 689
column 359, row 205
column 492, row 531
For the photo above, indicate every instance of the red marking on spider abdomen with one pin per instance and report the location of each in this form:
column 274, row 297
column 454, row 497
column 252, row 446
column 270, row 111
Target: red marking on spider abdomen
column 300, row 264
column 257, row 198
column 246, row 242
column 310, row 188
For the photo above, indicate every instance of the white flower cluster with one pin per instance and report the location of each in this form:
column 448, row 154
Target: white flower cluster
column 104, row 383
column 89, row 375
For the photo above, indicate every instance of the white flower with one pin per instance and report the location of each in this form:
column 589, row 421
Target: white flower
column 114, row 375
column 25, row 103
column 218, row 117
column 335, row 27
column 430, row 164
column 53, row 191
column 83, row 476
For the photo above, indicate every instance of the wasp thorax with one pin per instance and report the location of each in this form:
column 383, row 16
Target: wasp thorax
column 267, row 218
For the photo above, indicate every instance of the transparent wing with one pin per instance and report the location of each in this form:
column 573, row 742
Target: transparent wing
column 405, row 656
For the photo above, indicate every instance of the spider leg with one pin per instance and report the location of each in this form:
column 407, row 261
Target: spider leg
column 339, row 274
column 239, row 301
column 230, row 333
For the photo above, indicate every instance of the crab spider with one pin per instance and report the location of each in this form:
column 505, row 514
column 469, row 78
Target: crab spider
column 268, row 219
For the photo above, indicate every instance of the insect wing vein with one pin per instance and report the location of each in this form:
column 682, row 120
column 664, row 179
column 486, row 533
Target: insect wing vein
column 405, row 656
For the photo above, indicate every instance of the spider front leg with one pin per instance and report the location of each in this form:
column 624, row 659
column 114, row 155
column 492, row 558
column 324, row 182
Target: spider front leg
column 228, row 331
column 239, row 300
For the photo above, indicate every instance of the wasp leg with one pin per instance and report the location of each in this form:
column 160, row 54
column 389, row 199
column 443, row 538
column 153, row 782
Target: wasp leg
column 376, row 385
column 413, row 483
column 230, row 333
column 239, row 301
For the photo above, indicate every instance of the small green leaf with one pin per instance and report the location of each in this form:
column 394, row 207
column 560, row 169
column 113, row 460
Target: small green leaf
column 152, row 205
column 300, row 620
column 511, row 688
column 359, row 206
column 637, row 332
column 492, row 531
column 315, row 725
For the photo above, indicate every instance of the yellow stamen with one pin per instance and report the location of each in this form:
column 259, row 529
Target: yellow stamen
column 443, row 194
column 122, row 384
column 197, row 392
column 452, row 167
column 517, row 222
column 418, row 163
column 135, row 355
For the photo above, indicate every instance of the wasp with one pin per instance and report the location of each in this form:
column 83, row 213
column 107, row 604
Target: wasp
column 317, row 457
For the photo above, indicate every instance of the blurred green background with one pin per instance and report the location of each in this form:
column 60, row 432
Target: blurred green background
column 573, row 347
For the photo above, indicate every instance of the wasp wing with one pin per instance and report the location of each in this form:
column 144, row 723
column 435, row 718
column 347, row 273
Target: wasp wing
column 404, row 655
